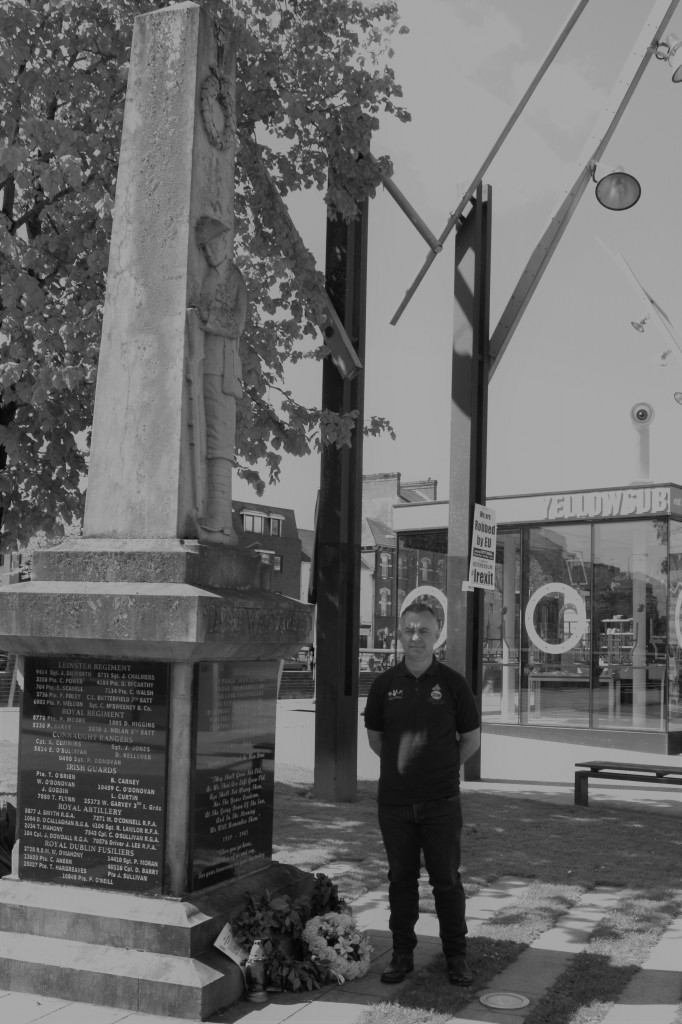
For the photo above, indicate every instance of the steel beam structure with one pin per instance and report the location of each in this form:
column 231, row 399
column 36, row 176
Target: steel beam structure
column 468, row 438
column 478, row 177
column 626, row 83
column 339, row 526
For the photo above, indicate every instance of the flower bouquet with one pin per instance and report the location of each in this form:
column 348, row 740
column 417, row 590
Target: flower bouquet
column 336, row 943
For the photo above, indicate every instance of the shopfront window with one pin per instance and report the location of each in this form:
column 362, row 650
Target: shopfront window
column 555, row 656
column 583, row 629
column 631, row 625
column 418, row 555
column 675, row 628
column 501, row 633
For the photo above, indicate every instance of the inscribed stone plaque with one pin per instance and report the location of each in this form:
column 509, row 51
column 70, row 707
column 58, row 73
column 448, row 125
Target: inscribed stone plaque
column 93, row 772
column 234, row 770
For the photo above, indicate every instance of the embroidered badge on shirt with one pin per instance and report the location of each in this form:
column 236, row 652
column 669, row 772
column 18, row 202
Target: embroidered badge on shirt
column 395, row 694
column 436, row 695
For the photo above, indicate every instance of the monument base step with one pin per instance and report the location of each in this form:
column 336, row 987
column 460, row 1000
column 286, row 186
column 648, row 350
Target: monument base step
column 125, row 978
column 151, row 955
column 172, row 927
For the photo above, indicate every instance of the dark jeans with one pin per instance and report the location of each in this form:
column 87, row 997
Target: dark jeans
column 436, row 828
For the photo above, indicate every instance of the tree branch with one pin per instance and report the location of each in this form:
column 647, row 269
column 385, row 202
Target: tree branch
column 38, row 208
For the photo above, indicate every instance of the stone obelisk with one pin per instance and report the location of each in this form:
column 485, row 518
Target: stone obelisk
column 148, row 651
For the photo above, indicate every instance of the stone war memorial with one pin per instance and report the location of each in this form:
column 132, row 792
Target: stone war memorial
column 149, row 651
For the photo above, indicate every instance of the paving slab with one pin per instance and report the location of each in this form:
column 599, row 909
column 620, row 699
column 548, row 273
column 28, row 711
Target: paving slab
column 493, row 900
column 84, row 1013
column 285, row 1007
column 532, row 973
column 573, row 929
column 539, row 967
column 18, row 1008
column 654, row 994
column 333, row 1011
column 476, row 1013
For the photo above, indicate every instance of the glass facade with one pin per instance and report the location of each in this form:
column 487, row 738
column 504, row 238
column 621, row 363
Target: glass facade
column 583, row 629
column 422, row 574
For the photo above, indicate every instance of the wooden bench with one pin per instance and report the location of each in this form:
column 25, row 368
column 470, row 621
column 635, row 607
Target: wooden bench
column 586, row 770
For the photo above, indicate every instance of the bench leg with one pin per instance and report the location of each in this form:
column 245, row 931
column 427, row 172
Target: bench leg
column 580, row 796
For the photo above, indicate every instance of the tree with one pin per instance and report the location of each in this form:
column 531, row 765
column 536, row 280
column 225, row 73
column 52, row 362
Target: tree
column 312, row 85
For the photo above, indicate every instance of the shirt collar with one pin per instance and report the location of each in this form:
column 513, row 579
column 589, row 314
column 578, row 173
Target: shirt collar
column 431, row 670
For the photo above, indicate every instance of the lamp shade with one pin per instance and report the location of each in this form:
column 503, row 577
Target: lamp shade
column 618, row 190
column 667, row 50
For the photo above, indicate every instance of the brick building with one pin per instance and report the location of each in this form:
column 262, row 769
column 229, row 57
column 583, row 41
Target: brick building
column 272, row 533
column 384, row 582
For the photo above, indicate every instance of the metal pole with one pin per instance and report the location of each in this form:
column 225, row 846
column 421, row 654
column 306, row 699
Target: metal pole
column 468, row 439
column 404, row 204
column 339, row 525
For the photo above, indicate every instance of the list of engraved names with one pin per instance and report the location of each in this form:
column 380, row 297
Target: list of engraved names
column 93, row 772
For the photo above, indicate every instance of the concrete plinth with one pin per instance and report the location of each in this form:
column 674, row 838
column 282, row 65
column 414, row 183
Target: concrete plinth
column 147, row 953
column 152, row 956
column 150, row 953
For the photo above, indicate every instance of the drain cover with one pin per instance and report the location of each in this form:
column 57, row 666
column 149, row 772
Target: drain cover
column 503, row 1000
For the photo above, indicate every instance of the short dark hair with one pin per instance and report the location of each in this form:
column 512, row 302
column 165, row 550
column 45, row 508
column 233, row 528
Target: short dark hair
column 421, row 608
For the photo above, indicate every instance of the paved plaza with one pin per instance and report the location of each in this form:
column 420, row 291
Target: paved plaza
column 653, row 996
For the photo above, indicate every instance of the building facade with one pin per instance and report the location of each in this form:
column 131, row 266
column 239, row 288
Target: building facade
column 382, row 580
column 582, row 633
column 271, row 532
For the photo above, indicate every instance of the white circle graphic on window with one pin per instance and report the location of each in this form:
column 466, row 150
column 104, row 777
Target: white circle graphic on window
column 428, row 595
column 572, row 599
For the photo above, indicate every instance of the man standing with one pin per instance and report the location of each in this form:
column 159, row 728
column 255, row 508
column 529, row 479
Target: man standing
column 423, row 722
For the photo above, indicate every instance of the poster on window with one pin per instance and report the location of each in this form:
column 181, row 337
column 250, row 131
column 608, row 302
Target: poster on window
column 483, row 547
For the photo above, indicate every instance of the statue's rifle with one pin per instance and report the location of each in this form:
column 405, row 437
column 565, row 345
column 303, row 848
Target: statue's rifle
column 195, row 377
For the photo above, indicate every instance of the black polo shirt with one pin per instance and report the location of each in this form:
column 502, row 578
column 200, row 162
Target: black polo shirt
column 420, row 720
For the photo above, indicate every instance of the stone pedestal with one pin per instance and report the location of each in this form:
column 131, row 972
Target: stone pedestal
column 146, row 770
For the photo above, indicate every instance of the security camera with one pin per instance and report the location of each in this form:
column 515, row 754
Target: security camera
column 642, row 414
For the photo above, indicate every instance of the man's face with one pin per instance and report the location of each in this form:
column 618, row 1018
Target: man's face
column 418, row 632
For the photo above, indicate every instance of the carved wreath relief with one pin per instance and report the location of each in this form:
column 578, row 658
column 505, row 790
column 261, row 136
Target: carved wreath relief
column 217, row 110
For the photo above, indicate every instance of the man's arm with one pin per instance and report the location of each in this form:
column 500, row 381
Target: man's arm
column 375, row 740
column 469, row 742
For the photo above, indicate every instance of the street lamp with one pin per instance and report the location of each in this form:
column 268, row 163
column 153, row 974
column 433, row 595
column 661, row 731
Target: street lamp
column 616, row 189
column 666, row 50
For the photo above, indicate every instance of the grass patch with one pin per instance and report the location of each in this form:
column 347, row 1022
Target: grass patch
column 563, row 850
column 429, row 988
column 584, row 993
column 503, row 835
column 393, row 1013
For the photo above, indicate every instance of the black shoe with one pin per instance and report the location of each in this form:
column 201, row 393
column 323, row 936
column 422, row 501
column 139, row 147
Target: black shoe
column 400, row 965
column 459, row 972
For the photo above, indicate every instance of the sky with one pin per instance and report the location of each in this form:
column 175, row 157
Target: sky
column 560, row 400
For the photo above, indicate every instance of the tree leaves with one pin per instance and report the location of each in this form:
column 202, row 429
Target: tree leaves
column 313, row 80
